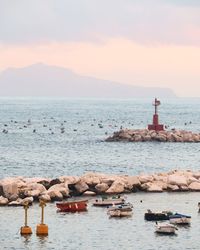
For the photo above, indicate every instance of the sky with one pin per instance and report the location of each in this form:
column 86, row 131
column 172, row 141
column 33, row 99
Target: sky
column 140, row 42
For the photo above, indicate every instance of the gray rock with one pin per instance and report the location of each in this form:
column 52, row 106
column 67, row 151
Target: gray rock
column 81, row 187
column 101, row 188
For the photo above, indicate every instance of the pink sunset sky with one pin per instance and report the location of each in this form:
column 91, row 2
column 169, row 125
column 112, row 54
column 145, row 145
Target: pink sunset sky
column 145, row 43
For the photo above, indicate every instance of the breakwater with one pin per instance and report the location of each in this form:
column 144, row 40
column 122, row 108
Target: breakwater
column 143, row 135
column 14, row 191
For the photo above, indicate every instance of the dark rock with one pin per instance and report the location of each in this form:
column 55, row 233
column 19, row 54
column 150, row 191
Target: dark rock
column 54, row 182
column 1, row 191
column 46, row 183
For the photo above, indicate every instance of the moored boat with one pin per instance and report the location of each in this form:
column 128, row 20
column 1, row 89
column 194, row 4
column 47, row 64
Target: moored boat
column 119, row 213
column 180, row 219
column 125, row 206
column 108, row 201
column 165, row 228
column 157, row 216
column 72, row 206
column 123, row 210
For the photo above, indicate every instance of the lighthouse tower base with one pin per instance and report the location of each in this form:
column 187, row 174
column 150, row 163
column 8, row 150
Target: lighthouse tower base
column 155, row 126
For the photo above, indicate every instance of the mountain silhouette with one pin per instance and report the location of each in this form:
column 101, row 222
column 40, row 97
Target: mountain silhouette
column 44, row 80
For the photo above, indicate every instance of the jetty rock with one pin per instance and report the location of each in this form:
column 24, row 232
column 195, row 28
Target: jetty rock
column 144, row 135
column 3, row 201
column 15, row 191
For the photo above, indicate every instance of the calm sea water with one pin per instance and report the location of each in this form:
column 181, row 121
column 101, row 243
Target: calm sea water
column 82, row 148
column 95, row 230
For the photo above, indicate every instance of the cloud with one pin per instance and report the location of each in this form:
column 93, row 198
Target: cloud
column 148, row 22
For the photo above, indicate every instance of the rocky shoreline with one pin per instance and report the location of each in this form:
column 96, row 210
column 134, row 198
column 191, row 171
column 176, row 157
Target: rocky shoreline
column 143, row 135
column 15, row 191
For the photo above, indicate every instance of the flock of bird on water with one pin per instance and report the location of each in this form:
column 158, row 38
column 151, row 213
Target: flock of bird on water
column 62, row 127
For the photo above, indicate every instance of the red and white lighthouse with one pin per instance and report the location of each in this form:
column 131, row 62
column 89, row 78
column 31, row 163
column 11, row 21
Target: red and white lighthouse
column 156, row 126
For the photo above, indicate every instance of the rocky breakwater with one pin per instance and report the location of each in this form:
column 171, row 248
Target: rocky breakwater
column 17, row 190
column 143, row 135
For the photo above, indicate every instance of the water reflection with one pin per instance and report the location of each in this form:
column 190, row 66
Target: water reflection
column 42, row 239
column 94, row 229
column 26, row 239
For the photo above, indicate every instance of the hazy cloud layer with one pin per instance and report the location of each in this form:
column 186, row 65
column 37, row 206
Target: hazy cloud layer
column 149, row 22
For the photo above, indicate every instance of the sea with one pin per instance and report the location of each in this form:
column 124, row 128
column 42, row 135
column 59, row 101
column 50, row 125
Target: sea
column 52, row 137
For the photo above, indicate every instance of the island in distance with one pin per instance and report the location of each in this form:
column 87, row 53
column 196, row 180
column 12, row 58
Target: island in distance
column 52, row 81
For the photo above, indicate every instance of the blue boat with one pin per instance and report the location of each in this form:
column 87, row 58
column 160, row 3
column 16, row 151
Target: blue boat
column 180, row 219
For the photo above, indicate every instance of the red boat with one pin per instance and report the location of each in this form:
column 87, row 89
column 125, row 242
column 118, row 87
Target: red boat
column 72, row 206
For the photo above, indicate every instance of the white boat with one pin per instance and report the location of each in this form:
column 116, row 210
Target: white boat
column 180, row 219
column 165, row 228
column 119, row 213
column 125, row 206
column 109, row 201
column 123, row 210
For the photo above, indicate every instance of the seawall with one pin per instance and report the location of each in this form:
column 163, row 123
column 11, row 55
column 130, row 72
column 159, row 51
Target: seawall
column 14, row 191
column 144, row 135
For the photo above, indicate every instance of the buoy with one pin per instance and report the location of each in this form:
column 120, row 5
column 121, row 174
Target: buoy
column 42, row 229
column 25, row 229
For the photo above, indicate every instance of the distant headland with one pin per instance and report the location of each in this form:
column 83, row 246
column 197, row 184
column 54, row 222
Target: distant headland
column 52, row 81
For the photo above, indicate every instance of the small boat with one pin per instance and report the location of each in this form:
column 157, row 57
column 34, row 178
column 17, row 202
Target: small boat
column 125, row 206
column 72, row 206
column 120, row 213
column 123, row 210
column 157, row 216
column 165, row 228
column 105, row 201
column 180, row 219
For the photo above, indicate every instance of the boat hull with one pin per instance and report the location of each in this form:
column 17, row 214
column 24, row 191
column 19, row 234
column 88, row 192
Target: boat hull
column 165, row 229
column 156, row 216
column 180, row 221
column 108, row 202
column 119, row 213
column 73, row 206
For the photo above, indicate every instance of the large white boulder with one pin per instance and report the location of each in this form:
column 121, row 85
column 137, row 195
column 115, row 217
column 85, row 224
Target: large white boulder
column 17, row 202
column 62, row 188
column 45, row 197
column 162, row 178
column 176, row 179
column 69, row 179
column 145, row 178
column 194, row 186
column 116, row 187
column 131, row 182
column 28, row 200
column 101, row 187
column 196, row 175
column 36, row 186
column 10, row 190
column 55, row 195
column 192, row 179
column 81, row 186
column 33, row 193
column 90, row 179
column 3, row 201
column 153, row 187
column 173, row 188
column 89, row 193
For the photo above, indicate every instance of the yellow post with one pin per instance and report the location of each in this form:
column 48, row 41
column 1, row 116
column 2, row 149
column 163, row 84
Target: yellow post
column 42, row 229
column 26, row 229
